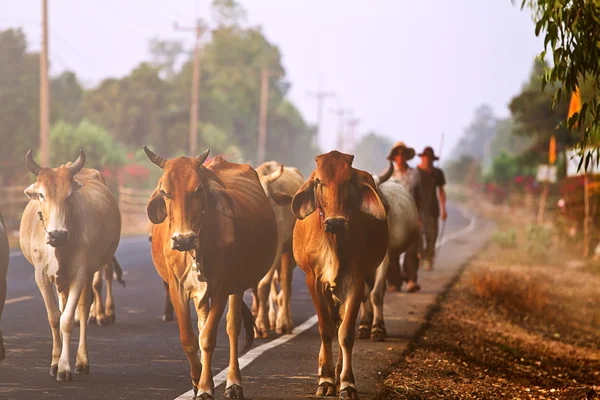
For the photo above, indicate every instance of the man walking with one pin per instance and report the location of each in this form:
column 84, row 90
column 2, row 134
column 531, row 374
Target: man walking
column 432, row 181
column 409, row 177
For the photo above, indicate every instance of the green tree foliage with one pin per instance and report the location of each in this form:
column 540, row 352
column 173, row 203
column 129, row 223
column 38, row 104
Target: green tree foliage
column 571, row 34
column 463, row 170
column 370, row 153
column 504, row 169
column 477, row 138
column 101, row 149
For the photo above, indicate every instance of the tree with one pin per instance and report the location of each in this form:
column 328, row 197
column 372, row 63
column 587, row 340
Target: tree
column 370, row 153
column 165, row 54
column 477, row 138
column 67, row 95
column 101, row 149
column 570, row 29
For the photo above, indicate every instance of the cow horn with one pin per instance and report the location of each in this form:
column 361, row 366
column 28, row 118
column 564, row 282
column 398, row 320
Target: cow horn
column 78, row 164
column 155, row 158
column 202, row 157
column 32, row 165
column 275, row 175
column 387, row 175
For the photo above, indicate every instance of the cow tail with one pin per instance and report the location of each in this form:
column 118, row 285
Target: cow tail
column 249, row 326
column 118, row 271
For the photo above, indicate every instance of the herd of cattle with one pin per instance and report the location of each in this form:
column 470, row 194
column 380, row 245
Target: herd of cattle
column 217, row 230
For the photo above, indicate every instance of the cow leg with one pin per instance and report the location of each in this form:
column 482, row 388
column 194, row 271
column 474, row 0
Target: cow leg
column 66, row 326
column 97, row 316
column 366, row 318
column 378, row 332
column 168, row 315
column 262, row 318
column 53, row 311
column 255, row 301
column 187, row 335
column 208, row 342
column 82, row 363
column 111, row 315
column 284, row 313
column 346, row 341
column 326, row 370
column 234, row 389
column 274, row 302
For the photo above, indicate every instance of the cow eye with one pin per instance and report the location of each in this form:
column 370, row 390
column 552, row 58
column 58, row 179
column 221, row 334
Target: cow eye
column 41, row 196
column 163, row 193
column 317, row 181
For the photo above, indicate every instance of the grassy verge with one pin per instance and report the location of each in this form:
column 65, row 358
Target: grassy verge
column 522, row 322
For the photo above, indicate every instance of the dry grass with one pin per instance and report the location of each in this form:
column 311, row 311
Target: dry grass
column 517, row 292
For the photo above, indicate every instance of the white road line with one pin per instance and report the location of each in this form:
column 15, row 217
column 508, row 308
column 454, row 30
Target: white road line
column 15, row 253
column 256, row 352
column 253, row 354
column 18, row 299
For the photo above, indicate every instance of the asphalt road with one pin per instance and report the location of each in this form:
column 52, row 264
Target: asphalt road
column 140, row 356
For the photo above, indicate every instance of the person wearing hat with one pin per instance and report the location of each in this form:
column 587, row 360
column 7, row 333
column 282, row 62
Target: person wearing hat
column 400, row 154
column 432, row 208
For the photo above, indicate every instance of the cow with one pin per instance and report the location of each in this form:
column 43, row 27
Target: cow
column 340, row 238
column 280, row 184
column 4, row 256
column 214, row 237
column 168, row 314
column 403, row 229
column 70, row 229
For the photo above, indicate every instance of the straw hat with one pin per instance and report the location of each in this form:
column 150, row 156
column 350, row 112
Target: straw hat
column 428, row 151
column 409, row 152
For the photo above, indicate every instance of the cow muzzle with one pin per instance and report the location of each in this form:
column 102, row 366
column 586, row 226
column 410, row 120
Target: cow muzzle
column 184, row 242
column 58, row 238
column 336, row 225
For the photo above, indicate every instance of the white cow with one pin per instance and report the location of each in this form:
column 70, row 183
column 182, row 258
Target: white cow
column 70, row 229
column 403, row 228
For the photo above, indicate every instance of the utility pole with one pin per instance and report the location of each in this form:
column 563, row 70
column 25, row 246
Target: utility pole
column 351, row 136
column 198, row 29
column 44, row 91
column 321, row 96
column 262, row 118
column 340, row 135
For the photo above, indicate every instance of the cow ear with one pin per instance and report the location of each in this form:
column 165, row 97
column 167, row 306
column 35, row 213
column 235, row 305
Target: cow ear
column 31, row 192
column 219, row 200
column 156, row 209
column 303, row 203
column 281, row 199
column 76, row 185
column 371, row 202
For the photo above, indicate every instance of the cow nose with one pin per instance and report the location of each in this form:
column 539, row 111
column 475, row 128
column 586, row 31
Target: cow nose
column 58, row 238
column 335, row 224
column 184, row 242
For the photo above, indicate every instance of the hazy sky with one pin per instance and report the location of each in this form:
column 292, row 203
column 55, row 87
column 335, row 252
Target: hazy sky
column 408, row 69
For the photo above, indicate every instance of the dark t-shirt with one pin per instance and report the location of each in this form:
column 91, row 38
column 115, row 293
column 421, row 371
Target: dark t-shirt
column 429, row 181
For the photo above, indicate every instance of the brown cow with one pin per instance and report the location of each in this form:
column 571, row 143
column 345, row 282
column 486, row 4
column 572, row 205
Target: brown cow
column 273, row 309
column 339, row 240
column 4, row 256
column 215, row 236
column 70, row 229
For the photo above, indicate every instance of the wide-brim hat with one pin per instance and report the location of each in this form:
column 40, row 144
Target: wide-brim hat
column 428, row 151
column 409, row 152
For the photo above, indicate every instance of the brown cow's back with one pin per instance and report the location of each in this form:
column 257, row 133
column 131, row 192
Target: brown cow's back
column 255, row 226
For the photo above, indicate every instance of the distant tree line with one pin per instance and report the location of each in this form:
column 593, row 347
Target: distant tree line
column 151, row 104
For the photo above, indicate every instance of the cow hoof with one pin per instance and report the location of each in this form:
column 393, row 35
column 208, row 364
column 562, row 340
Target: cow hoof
column 82, row 369
column 91, row 320
column 205, row 396
column 284, row 330
column 260, row 334
column 349, row 394
column 363, row 332
column 53, row 370
column 110, row 319
column 167, row 317
column 234, row 392
column 102, row 321
column 64, row 376
column 326, row 389
column 377, row 335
